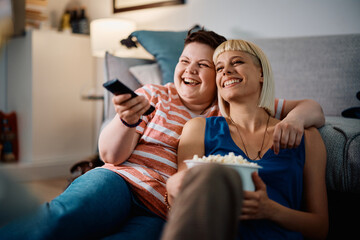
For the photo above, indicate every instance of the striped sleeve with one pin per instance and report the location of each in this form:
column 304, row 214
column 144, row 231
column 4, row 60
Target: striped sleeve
column 148, row 93
column 279, row 108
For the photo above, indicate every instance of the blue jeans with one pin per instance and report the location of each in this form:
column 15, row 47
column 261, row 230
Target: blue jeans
column 97, row 205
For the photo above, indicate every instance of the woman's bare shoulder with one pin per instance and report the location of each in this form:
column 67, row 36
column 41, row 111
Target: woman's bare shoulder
column 195, row 122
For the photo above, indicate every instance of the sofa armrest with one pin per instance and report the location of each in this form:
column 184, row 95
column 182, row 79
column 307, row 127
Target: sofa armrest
column 342, row 140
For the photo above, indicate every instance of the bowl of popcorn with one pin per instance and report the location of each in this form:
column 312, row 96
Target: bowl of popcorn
column 240, row 164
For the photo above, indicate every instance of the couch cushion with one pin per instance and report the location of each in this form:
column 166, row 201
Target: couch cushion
column 342, row 140
column 147, row 74
column 165, row 46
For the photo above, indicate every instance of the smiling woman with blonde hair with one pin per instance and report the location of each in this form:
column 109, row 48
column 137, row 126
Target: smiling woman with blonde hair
column 267, row 97
column 289, row 201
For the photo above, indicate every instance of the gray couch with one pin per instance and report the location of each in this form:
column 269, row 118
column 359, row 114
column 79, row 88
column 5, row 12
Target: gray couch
column 323, row 68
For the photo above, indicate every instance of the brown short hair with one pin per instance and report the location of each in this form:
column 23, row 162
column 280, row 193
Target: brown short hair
column 209, row 38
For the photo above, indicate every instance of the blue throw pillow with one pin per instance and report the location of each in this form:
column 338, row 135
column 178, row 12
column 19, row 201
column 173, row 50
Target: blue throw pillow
column 166, row 47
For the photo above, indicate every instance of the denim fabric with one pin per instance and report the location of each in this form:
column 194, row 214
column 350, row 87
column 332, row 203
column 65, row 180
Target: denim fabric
column 96, row 205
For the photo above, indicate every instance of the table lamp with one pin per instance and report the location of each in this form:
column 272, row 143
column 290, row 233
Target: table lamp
column 106, row 35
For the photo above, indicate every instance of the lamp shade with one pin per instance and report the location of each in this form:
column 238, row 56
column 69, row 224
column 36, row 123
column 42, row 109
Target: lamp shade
column 106, row 34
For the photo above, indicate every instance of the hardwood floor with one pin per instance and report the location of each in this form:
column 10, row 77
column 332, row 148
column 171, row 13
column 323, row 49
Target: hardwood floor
column 46, row 190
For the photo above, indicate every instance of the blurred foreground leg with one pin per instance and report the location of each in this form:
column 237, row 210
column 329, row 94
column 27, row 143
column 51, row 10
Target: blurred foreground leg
column 208, row 205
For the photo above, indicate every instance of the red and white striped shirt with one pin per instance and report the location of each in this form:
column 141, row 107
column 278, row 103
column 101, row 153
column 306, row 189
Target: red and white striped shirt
column 154, row 159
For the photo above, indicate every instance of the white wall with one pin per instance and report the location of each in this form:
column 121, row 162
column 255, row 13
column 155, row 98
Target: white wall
column 246, row 18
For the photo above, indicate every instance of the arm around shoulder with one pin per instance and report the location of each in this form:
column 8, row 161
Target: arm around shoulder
column 307, row 110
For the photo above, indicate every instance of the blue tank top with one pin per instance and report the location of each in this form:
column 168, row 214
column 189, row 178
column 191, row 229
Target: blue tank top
column 282, row 174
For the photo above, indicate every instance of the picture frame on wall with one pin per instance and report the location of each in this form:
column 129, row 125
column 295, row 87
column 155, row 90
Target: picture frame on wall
column 130, row 5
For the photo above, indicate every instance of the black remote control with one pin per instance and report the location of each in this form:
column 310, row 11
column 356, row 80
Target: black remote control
column 117, row 88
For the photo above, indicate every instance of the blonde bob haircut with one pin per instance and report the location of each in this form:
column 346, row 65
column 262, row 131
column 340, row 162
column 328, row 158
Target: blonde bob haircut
column 267, row 96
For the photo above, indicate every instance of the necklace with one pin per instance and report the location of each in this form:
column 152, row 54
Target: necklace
column 258, row 156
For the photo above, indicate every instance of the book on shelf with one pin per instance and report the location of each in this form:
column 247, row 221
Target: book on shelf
column 36, row 13
column 37, row 2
